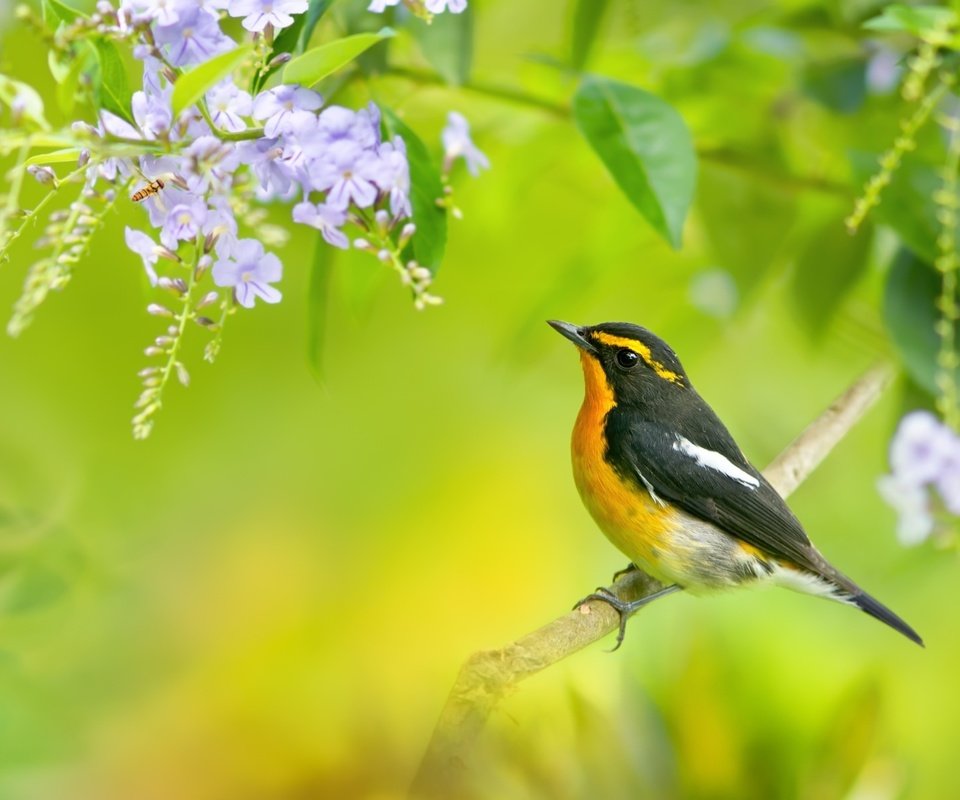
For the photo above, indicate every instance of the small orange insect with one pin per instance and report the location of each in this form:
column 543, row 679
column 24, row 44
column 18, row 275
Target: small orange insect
column 151, row 188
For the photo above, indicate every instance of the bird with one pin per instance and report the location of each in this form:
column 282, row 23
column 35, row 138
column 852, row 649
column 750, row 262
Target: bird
column 665, row 481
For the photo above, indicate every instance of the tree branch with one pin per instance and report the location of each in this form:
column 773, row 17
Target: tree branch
column 488, row 675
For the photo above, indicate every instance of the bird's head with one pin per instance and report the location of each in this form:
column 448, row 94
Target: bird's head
column 625, row 361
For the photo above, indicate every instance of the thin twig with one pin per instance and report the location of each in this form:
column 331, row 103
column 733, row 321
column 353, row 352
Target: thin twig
column 488, row 675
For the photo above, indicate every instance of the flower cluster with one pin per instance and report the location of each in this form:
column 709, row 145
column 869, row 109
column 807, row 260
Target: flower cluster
column 229, row 149
column 202, row 163
column 924, row 454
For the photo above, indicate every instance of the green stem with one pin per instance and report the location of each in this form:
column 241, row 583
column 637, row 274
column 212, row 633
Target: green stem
column 212, row 350
column 153, row 394
column 32, row 215
column 947, row 264
column 890, row 160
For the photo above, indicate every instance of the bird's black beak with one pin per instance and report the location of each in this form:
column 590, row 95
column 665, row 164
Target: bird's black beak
column 574, row 334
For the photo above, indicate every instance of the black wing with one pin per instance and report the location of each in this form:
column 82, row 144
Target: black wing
column 730, row 494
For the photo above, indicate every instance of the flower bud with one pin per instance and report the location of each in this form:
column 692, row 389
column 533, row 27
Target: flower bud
column 158, row 310
column 182, row 375
column 44, row 175
column 208, row 299
column 279, row 61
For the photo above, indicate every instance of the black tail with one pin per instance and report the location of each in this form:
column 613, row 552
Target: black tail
column 879, row 611
column 849, row 592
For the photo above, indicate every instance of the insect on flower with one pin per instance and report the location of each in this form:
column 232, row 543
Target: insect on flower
column 153, row 187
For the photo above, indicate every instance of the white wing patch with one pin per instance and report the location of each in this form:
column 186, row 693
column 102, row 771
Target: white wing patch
column 715, row 461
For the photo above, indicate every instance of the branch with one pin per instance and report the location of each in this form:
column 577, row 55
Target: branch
column 723, row 157
column 488, row 675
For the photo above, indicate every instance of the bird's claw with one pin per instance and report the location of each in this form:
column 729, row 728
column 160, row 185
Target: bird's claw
column 622, row 607
column 631, row 567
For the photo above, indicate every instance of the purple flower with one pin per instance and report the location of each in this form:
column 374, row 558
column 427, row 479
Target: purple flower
column 302, row 140
column 325, row 219
column 146, row 248
column 457, row 142
column 948, row 484
column 194, row 38
column 921, row 448
column 250, row 272
column 379, row 6
column 393, row 176
column 209, row 163
column 183, row 221
column 220, row 221
column 227, row 104
column 438, row 6
column 346, row 172
column 161, row 12
column 278, row 107
column 275, row 177
column 258, row 14
column 337, row 123
column 884, row 70
column 113, row 125
column 914, row 520
column 153, row 80
column 152, row 112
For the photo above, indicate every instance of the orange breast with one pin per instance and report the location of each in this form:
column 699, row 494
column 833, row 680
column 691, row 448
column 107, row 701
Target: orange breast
column 635, row 523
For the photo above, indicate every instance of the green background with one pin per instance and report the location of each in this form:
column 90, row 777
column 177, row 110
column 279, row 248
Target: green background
column 271, row 596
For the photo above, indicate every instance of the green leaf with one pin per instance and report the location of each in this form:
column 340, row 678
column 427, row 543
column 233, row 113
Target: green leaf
column 826, row 269
column 31, row 104
column 82, row 62
column 588, row 16
column 54, row 157
column 318, row 300
column 910, row 313
column 315, row 12
column 911, row 19
column 447, row 43
column 56, row 11
column 59, row 67
column 192, row 85
column 113, row 92
column 430, row 239
column 646, row 147
column 316, row 64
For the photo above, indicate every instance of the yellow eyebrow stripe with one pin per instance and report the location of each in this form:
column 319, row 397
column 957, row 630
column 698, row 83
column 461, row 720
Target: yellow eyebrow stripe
column 641, row 350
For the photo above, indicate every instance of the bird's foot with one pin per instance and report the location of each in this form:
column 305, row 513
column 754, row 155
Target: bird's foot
column 625, row 608
column 631, row 567
column 622, row 607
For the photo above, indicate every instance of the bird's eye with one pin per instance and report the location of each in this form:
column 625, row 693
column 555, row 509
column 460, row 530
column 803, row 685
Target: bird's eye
column 626, row 358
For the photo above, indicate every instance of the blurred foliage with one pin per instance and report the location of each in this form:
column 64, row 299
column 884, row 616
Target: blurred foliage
column 271, row 599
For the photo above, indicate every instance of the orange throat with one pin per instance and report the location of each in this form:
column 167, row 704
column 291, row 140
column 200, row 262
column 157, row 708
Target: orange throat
column 626, row 513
